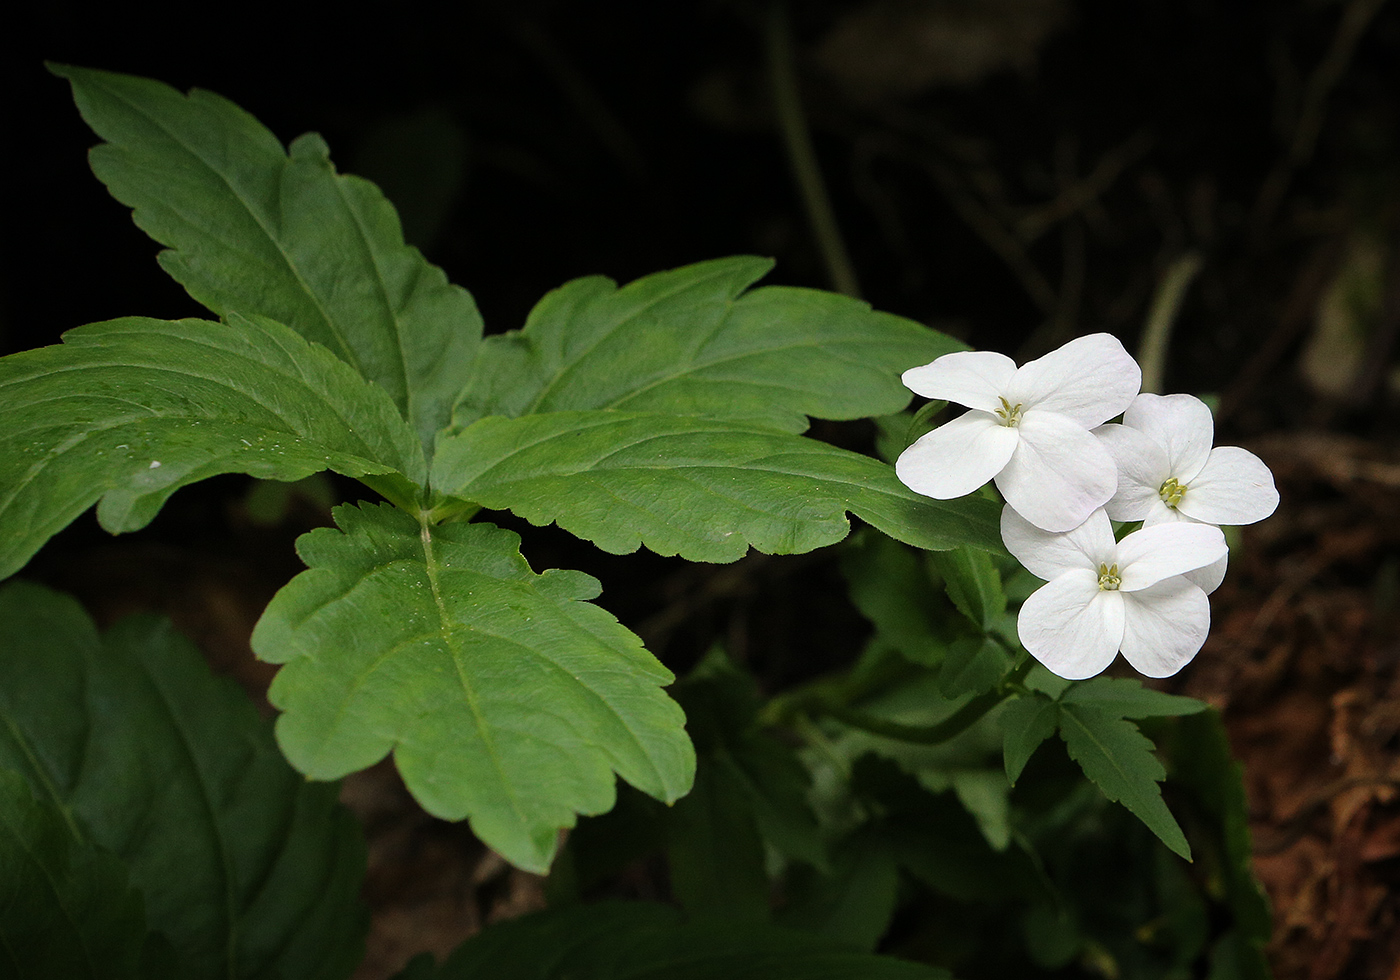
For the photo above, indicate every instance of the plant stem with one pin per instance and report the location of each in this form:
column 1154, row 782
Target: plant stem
column 955, row 724
column 797, row 138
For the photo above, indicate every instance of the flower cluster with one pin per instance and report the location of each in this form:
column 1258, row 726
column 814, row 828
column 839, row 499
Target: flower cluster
column 1041, row 432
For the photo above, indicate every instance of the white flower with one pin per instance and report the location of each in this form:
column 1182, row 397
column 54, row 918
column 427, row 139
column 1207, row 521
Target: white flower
column 1167, row 471
column 1103, row 596
column 1028, row 428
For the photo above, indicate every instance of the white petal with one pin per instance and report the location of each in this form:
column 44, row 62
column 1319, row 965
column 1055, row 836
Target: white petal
column 1181, row 424
column 1209, row 577
column 975, row 378
column 1142, row 469
column 1059, row 474
column 1090, row 379
column 957, row 457
column 1047, row 554
column 1151, row 554
column 1234, row 487
column 1165, row 626
column 1072, row 626
column 1162, row 514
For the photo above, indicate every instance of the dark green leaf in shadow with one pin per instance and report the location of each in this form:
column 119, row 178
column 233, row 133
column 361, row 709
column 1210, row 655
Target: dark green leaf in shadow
column 638, row 941
column 67, row 908
column 854, row 901
column 245, row 867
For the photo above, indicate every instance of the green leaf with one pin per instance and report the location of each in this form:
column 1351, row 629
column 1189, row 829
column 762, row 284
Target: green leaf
column 973, row 583
column 66, row 907
column 891, row 588
column 1118, row 759
column 1025, row 723
column 1124, row 697
column 641, row 941
column 505, row 697
column 254, row 229
column 128, row 411
column 703, row 489
column 855, row 901
column 721, row 704
column 686, row 342
column 973, row 664
column 245, row 867
column 714, row 849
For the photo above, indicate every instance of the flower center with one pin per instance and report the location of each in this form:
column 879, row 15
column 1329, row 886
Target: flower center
column 1109, row 580
column 1009, row 414
column 1171, row 492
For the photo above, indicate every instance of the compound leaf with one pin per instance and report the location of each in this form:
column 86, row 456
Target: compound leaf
column 706, row 490
column 973, row 583
column 247, row 869
column 128, row 411
column 1118, row 759
column 690, row 341
column 254, row 229
column 641, row 941
column 890, row 586
column 505, row 697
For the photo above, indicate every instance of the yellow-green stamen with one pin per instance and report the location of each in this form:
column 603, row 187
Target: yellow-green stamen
column 1171, row 492
column 1009, row 414
column 1109, row 580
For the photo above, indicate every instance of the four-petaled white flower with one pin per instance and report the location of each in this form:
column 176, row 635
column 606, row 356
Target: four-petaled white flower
column 1167, row 471
column 1103, row 596
column 1028, row 428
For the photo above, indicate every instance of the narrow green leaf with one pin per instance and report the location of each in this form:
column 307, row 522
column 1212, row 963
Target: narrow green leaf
column 128, row 411
column 245, row 867
column 703, row 489
column 973, row 583
column 1125, row 697
column 713, row 846
column 505, row 697
column 1025, row 723
column 250, row 228
column 1118, row 759
column 641, row 941
column 66, row 907
column 891, row 588
column 690, row 341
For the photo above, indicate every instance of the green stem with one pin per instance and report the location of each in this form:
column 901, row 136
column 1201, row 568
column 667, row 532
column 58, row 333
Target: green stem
column 797, row 138
column 952, row 726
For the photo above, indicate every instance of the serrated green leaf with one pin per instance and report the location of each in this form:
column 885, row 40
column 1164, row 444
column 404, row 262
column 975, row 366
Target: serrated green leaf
column 703, row 489
column 1125, row 697
column 1118, row 759
column 128, row 411
column 973, row 664
column 641, row 941
column 66, row 906
column 713, row 846
column 973, row 583
column 245, row 867
column 505, row 697
column 690, row 341
column 1025, row 723
column 891, row 588
column 253, row 229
